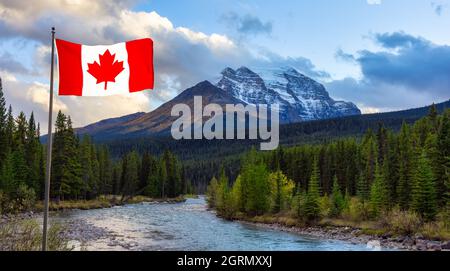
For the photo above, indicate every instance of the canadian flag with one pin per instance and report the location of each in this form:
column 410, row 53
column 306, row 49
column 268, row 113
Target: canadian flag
column 105, row 70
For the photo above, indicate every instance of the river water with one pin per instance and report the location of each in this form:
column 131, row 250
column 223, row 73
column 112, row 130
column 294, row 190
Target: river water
column 188, row 226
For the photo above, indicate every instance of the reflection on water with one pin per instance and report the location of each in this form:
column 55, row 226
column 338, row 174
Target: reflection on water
column 189, row 226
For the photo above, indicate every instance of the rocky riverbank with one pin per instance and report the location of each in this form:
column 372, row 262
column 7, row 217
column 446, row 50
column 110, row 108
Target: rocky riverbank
column 26, row 227
column 357, row 236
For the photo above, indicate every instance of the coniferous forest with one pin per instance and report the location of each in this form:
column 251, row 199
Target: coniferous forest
column 401, row 175
column 81, row 170
column 399, row 178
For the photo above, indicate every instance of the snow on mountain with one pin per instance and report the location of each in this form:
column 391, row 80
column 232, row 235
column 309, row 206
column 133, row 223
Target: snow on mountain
column 300, row 98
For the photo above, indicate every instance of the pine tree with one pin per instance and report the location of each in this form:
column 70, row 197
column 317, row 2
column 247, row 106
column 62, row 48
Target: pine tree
column 7, row 181
column 32, row 155
column 423, row 194
column 211, row 192
column 145, row 170
column 86, row 165
column 223, row 196
column 10, row 129
column 363, row 189
column 21, row 131
column 312, row 208
column 369, row 156
column 337, row 200
column 405, row 159
column 130, row 174
column 73, row 178
column 255, row 184
column 378, row 193
column 3, row 118
column 442, row 166
column 433, row 117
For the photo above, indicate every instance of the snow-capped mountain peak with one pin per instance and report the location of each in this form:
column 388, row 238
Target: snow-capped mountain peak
column 299, row 97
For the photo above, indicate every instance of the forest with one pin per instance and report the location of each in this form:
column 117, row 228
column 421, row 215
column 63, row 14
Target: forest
column 383, row 171
column 401, row 177
column 81, row 170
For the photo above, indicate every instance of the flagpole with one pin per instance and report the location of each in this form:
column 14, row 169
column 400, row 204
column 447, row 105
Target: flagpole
column 49, row 149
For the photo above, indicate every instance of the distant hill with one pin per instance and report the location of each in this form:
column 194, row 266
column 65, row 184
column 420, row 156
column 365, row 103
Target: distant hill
column 290, row 134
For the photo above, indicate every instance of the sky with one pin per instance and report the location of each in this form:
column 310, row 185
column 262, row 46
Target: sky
column 383, row 55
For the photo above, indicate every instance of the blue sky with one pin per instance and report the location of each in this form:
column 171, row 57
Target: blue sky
column 380, row 54
column 314, row 29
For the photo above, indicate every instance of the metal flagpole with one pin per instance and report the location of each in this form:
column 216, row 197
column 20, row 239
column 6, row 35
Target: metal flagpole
column 49, row 149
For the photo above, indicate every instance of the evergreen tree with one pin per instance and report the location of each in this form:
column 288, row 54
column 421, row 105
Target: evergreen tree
column 405, row 159
column 255, row 184
column 211, row 192
column 10, row 130
column 423, row 191
column 312, row 208
column 378, row 193
column 3, row 120
column 21, row 131
column 32, row 155
column 130, row 174
column 441, row 164
column 337, row 200
column 363, row 189
column 281, row 191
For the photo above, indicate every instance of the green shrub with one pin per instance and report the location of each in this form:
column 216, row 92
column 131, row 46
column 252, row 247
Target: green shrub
column 326, row 206
column 402, row 222
column 356, row 211
column 25, row 198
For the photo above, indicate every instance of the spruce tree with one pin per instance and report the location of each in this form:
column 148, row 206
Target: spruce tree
column 363, row 189
column 443, row 156
column 378, row 193
column 312, row 207
column 32, row 155
column 405, row 159
column 3, row 117
column 423, row 194
column 211, row 192
column 337, row 200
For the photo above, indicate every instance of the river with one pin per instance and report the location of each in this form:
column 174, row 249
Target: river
column 187, row 226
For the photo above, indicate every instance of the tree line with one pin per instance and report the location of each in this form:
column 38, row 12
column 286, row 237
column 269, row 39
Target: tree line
column 408, row 170
column 81, row 170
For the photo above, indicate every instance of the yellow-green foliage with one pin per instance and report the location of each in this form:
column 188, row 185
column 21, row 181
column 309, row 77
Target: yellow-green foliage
column 357, row 210
column 402, row 222
column 281, row 191
column 325, row 206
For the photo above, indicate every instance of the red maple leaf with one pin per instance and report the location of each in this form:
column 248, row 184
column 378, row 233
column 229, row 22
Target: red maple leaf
column 107, row 70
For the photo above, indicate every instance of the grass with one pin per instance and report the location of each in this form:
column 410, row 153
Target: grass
column 26, row 235
column 400, row 224
column 105, row 201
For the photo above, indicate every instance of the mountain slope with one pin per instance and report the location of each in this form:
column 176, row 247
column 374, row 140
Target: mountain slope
column 290, row 134
column 158, row 121
column 300, row 97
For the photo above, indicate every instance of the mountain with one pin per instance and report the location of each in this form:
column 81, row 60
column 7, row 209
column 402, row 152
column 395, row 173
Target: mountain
column 159, row 121
column 300, row 97
column 307, row 132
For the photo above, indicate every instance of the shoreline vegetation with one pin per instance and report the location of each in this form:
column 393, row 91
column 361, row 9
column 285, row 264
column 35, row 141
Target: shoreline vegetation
column 391, row 185
column 22, row 232
column 370, row 233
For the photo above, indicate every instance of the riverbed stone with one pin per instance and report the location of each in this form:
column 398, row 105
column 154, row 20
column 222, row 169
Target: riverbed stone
column 445, row 245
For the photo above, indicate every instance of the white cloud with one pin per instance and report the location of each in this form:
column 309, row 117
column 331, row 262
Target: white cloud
column 183, row 57
column 178, row 51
